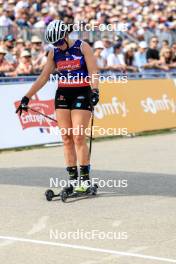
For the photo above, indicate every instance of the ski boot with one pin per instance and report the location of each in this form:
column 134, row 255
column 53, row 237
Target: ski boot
column 85, row 186
column 72, row 183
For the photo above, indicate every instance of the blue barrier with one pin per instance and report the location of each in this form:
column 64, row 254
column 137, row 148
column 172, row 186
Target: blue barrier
column 145, row 74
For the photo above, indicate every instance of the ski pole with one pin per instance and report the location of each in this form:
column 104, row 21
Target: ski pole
column 91, row 133
column 54, row 120
column 30, row 108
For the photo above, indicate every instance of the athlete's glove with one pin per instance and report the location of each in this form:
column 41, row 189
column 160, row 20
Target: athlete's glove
column 94, row 97
column 23, row 105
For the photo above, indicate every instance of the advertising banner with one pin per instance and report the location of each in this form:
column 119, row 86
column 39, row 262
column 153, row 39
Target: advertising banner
column 138, row 105
column 30, row 128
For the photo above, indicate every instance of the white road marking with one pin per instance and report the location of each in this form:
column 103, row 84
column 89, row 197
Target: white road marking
column 134, row 250
column 100, row 250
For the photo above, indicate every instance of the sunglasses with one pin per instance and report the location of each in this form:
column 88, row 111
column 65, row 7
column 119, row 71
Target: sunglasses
column 60, row 42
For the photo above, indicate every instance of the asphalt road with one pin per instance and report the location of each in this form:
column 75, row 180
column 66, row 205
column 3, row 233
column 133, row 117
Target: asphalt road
column 129, row 223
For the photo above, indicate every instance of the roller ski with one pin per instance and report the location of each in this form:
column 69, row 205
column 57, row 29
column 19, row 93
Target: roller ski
column 72, row 192
column 76, row 187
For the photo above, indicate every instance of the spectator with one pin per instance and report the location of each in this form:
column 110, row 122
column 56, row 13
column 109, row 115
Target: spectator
column 165, row 33
column 165, row 44
column 28, row 45
column 20, row 46
column 108, row 47
column 22, row 20
column 153, row 51
column 101, row 62
column 174, row 51
column 152, row 54
column 129, row 59
column 11, row 6
column 44, row 19
column 25, row 66
column 115, row 61
column 38, row 54
column 22, row 4
column 5, row 20
column 9, row 43
column 37, row 5
column 5, row 66
column 140, row 60
column 167, row 59
column 125, row 44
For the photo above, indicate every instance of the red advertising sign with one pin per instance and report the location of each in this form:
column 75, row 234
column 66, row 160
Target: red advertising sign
column 32, row 119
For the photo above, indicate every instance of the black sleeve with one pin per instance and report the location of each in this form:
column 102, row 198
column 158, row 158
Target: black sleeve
column 148, row 54
column 157, row 55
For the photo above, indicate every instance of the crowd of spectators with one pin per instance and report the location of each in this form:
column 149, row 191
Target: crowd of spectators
column 28, row 58
column 149, row 42
column 22, row 58
column 126, row 56
column 143, row 17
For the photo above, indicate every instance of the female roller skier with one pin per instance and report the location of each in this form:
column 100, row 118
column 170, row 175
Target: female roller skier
column 74, row 100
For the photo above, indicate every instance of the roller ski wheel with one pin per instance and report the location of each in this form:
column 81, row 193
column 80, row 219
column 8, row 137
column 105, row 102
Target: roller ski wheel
column 66, row 192
column 63, row 195
column 93, row 190
column 49, row 194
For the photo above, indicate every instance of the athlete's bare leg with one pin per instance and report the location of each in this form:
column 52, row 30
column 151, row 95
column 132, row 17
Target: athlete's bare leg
column 64, row 121
column 81, row 118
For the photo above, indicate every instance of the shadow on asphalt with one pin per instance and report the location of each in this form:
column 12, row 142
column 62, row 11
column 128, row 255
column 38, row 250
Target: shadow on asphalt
column 138, row 183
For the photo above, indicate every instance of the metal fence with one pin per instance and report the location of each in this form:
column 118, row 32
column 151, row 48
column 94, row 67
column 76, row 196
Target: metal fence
column 26, row 33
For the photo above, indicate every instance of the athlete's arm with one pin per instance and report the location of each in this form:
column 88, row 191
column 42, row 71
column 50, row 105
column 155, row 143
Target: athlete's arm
column 91, row 64
column 44, row 76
